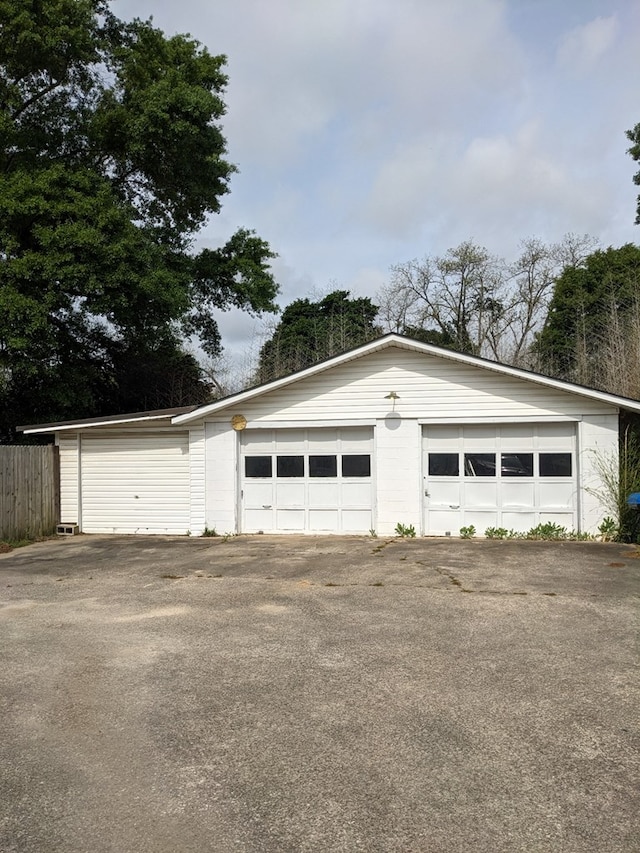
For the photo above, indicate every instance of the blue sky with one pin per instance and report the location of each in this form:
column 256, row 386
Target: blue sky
column 371, row 132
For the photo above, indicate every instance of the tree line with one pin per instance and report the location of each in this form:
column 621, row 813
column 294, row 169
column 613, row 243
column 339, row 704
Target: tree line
column 113, row 158
column 569, row 310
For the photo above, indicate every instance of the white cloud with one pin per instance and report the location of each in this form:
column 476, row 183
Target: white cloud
column 582, row 48
column 366, row 281
column 402, row 193
column 369, row 132
column 520, row 189
column 299, row 71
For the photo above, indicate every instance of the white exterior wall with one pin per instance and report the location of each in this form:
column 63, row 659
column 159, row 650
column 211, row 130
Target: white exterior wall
column 398, row 475
column 428, row 387
column 221, row 448
column 597, row 443
column 69, row 478
column 197, row 480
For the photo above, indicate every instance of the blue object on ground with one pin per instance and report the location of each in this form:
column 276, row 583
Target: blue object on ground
column 634, row 499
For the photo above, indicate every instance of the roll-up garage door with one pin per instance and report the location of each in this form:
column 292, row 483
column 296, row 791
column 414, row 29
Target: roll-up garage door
column 513, row 476
column 135, row 484
column 314, row 480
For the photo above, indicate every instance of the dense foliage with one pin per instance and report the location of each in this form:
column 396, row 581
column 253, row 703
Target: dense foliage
column 309, row 332
column 634, row 137
column 111, row 159
column 592, row 331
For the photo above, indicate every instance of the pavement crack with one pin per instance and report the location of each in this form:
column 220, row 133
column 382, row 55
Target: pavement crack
column 382, row 546
column 445, row 573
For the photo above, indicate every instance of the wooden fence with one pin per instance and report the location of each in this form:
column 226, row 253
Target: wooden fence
column 29, row 491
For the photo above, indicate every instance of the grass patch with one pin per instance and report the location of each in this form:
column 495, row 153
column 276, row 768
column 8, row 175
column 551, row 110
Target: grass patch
column 7, row 545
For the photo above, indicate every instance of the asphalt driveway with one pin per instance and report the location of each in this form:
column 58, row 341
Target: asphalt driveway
column 162, row 695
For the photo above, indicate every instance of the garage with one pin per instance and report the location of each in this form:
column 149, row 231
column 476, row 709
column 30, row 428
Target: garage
column 135, row 483
column 514, row 476
column 313, row 480
column 394, row 434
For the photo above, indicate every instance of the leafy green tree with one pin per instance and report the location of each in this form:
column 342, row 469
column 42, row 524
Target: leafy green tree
column 592, row 332
column 111, row 159
column 309, row 332
column 429, row 336
column 634, row 137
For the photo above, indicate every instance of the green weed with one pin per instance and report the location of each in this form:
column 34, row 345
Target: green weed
column 496, row 533
column 407, row 531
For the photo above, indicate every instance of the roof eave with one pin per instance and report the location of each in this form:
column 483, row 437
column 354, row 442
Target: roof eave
column 108, row 420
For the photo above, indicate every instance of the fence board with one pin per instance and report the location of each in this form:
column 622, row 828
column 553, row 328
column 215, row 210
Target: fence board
column 29, row 491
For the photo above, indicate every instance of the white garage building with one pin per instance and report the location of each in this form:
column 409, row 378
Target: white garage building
column 394, row 431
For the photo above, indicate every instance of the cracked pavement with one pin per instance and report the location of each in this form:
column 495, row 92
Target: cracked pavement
column 325, row 694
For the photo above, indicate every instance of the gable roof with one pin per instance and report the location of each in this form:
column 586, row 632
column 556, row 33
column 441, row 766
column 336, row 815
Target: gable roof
column 395, row 340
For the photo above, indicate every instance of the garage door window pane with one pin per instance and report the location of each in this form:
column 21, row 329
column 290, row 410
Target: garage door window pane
column 323, row 466
column 257, row 466
column 480, row 464
column 443, row 465
column 516, row 465
column 290, row 466
column 555, row 464
column 356, row 465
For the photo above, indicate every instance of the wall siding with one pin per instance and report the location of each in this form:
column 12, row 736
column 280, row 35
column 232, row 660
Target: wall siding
column 197, row 480
column 597, row 440
column 69, row 478
column 427, row 386
column 221, row 477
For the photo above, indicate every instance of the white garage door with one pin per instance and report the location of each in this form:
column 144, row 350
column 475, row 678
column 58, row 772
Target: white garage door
column 135, row 484
column 315, row 480
column 513, row 476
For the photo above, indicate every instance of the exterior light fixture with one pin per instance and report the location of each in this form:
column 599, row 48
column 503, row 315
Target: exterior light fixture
column 392, row 396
